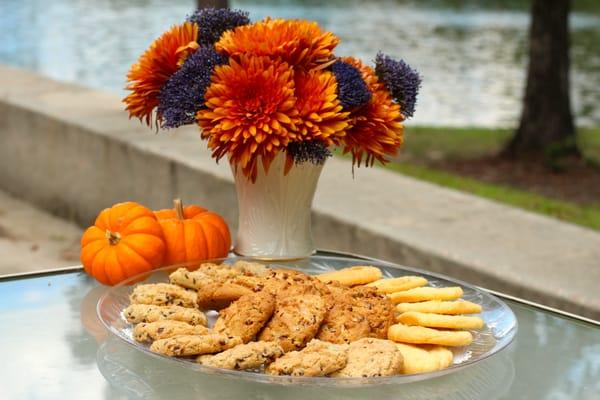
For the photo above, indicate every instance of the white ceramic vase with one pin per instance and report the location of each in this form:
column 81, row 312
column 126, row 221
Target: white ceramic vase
column 274, row 212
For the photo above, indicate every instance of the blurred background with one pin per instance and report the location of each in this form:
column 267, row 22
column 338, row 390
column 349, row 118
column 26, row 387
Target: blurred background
column 480, row 127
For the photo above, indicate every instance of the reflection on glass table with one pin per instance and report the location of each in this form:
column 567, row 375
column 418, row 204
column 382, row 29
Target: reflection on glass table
column 54, row 347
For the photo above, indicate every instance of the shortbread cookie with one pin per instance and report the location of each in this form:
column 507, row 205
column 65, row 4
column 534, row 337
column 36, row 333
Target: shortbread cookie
column 421, row 335
column 440, row 321
column 295, row 322
column 193, row 345
column 318, row 358
column 441, row 307
column 424, row 358
column 246, row 316
column 137, row 313
column 370, row 357
column 425, row 294
column 398, row 284
column 352, row 276
column 150, row 331
column 163, row 294
column 244, row 356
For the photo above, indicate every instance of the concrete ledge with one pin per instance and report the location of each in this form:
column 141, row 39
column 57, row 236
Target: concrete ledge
column 72, row 151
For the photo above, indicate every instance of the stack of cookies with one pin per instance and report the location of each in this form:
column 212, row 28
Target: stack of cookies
column 284, row 322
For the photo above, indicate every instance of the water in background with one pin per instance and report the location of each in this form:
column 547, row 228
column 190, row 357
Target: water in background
column 472, row 59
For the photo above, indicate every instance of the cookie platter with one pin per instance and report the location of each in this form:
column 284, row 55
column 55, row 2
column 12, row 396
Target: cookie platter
column 411, row 322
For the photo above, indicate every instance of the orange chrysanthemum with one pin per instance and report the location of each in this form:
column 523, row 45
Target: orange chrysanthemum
column 161, row 60
column 320, row 111
column 376, row 128
column 297, row 42
column 250, row 112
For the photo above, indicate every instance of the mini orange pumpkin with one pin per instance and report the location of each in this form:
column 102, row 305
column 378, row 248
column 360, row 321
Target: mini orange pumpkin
column 126, row 240
column 193, row 233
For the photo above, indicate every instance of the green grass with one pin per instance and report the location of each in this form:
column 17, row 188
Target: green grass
column 455, row 143
column 429, row 143
column 588, row 216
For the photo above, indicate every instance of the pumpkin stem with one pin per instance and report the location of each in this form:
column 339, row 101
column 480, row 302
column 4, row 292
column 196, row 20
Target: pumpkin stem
column 178, row 205
column 113, row 237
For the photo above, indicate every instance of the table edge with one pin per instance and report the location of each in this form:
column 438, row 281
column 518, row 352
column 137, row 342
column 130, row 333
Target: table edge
column 334, row 253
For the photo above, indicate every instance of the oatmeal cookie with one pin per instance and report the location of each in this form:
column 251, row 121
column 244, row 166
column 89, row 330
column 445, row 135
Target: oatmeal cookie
column 137, row 313
column 244, row 356
column 371, row 357
column 193, row 345
column 295, row 322
column 246, row 316
column 150, row 331
column 163, row 294
column 318, row 358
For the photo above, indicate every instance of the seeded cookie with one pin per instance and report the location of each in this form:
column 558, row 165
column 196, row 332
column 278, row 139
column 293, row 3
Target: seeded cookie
column 377, row 309
column 193, row 345
column 371, row 357
column 147, row 332
column 163, row 294
column 246, row 316
column 342, row 323
column 287, row 283
column 318, row 358
column 244, row 356
column 137, row 313
column 296, row 321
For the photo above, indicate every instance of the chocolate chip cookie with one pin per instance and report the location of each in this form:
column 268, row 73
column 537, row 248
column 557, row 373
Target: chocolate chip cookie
column 370, row 357
column 318, row 358
column 150, row 331
column 193, row 345
column 244, row 356
column 163, row 294
column 137, row 313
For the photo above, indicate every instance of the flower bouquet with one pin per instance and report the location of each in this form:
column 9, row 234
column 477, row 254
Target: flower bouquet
column 273, row 97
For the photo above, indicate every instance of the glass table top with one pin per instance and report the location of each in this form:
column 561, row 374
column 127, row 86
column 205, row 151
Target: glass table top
column 54, row 347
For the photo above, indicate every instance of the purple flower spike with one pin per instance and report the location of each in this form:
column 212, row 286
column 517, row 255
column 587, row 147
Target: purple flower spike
column 183, row 94
column 212, row 22
column 402, row 81
column 313, row 151
column 353, row 92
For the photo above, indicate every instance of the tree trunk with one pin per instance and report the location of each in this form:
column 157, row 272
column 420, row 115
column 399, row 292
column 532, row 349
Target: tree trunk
column 212, row 3
column 546, row 129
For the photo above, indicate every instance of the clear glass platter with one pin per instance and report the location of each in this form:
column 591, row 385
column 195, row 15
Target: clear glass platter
column 500, row 322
